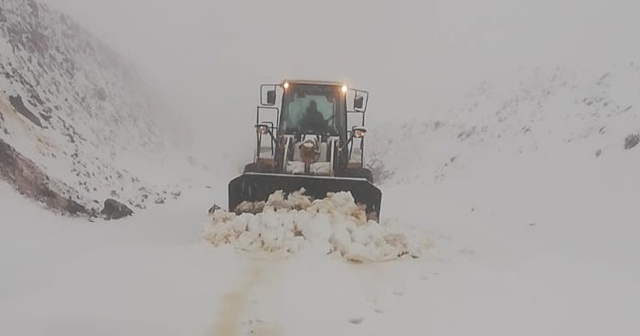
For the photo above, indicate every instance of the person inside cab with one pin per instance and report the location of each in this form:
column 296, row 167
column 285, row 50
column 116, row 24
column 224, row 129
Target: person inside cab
column 313, row 120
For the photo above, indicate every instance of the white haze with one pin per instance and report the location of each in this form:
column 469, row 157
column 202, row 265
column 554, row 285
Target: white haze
column 208, row 57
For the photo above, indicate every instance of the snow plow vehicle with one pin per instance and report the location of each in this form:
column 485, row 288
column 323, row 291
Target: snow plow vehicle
column 307, row 138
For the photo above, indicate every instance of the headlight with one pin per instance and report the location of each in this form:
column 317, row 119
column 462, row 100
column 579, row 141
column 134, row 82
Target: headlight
column 359, row 132
column 262, row 129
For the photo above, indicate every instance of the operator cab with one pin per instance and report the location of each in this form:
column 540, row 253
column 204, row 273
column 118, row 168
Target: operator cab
column 309, row 108
column 310, row 132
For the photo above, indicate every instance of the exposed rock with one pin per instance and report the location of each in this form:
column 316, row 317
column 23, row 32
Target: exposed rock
column 18, row 104
column 631, row 140
column 115, row 210
column 28, row 179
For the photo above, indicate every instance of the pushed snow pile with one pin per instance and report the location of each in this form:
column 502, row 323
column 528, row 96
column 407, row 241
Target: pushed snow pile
column 335, row 224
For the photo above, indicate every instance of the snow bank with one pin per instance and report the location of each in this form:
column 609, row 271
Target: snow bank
column 335, row 224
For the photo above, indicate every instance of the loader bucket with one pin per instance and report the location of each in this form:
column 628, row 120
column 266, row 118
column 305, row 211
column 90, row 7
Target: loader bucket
column 255, row 187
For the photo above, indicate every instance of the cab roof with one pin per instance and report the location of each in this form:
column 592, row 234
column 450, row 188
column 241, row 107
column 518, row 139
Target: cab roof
column 310, row 81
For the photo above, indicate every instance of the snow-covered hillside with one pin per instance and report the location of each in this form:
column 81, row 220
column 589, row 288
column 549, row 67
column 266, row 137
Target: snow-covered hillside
column 562, row 113
column 525, row 191
column 77, row 110
column 529, row 187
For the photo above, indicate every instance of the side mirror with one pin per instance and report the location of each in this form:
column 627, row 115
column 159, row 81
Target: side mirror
column 268, row 91
column 271, row 97
column 358, row 102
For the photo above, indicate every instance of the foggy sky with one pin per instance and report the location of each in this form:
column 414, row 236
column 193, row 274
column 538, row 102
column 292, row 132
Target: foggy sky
column 209, row 57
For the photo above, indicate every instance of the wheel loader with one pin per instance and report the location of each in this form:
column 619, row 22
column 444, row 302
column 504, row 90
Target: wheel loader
column 309, row 134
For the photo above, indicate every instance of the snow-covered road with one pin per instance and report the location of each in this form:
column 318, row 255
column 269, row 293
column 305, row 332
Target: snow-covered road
column 487, row 272
column 148, row 274
column 539, row 241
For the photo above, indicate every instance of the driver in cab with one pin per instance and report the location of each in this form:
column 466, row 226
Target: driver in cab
column 312, row 112
column 313, row 119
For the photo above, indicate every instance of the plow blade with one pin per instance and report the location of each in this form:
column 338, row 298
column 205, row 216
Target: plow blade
column 255, row 187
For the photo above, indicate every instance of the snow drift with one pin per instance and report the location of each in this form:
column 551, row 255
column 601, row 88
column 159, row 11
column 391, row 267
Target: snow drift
column 335, row 224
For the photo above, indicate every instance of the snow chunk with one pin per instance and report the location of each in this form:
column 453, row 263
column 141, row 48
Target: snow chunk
column 335, row 224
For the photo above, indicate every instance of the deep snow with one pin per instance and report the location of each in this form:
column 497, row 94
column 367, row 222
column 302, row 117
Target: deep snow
column 138, row 276
column 335, row 224
column 530, row 233
column 531, row 259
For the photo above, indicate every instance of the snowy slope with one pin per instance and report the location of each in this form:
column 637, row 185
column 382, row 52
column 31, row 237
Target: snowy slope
column 524, row 190
column 528, row 185
column 77, row 109
column 562, row 113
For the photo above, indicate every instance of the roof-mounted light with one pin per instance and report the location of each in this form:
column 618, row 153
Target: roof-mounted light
column 345, row 89
column 286, row 85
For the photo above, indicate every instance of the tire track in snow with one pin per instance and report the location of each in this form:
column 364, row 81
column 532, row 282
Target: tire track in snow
column 236, row 304
column 308, row 292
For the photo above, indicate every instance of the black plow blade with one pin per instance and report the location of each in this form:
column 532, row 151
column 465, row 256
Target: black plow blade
column 255, row 187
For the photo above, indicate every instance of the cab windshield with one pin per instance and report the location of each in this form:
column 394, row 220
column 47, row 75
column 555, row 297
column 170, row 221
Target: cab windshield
column 312, row 108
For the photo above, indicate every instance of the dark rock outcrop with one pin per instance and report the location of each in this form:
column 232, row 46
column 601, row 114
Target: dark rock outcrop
column 18, row 104
column 28, row 179
column 115, row 210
